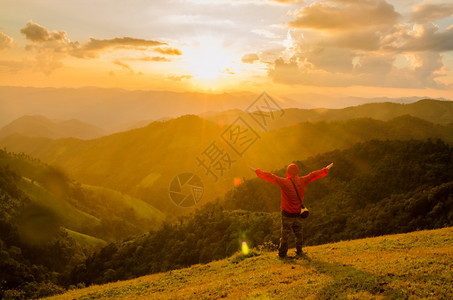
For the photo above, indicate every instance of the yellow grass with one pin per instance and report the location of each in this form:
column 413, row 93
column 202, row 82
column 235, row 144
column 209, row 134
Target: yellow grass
column 415, row 265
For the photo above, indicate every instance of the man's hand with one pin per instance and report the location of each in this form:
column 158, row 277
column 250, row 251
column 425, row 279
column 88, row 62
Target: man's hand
column 253, row 169
column 329, row 166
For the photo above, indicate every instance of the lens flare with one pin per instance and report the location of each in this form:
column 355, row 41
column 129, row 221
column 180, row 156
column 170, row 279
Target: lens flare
column 245, row 248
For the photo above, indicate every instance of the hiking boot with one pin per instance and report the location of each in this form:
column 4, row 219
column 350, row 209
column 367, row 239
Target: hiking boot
column 300, row 253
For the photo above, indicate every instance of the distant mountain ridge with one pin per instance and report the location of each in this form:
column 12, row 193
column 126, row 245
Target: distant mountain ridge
column 114, row 109
column 434, row 111
column 40, row 126
column 111, row 108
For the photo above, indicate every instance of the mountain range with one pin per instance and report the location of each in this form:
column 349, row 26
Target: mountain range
column 64, row 197
column 115, row 110
column 142, row 162
column 40, row 126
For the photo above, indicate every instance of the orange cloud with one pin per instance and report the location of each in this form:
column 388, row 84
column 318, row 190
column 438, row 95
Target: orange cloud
column 250, row 58
column 168, row 51
column 5, row 41
column 95, row 45
column 425, row 13
column 345, row 15
column 123, row 65
column 179, row 78
column 37, row 33
column 154, row 58
column 347, row 43
column 52, row 47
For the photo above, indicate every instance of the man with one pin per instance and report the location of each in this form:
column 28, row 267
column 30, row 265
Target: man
column 292, row 190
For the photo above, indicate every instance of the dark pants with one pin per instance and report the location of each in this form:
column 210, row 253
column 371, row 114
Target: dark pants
column 290, row 223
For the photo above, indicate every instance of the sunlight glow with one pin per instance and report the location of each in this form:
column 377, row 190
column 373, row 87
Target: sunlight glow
column 208, row 60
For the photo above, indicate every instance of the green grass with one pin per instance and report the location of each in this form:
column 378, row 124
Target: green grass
column 416, row 265
column 141, row 208
column 70, row 216
column 85, row 240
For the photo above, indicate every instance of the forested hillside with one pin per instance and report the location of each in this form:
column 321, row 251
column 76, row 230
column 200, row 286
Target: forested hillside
column 142, row 162
column 49, row 224
column 375, row 188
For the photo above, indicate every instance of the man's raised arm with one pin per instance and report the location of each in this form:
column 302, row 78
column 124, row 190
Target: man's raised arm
column 265, row 175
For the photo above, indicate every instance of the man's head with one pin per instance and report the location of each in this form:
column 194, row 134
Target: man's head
column 292, row 171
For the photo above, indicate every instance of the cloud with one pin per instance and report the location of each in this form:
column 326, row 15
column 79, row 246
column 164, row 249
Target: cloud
column 341, row 15
column 425, row 13
column 296, row 72
column 179, row 78
column 11, row 66
column 52, row 47
column 426, row 37
column 123, row 65
column 154, row 58
column 37, row 33
column 93, row 46
column 210, row 2
column 368, row 70
column 347, row 43
column 168, row 51
column 250, row 58
column 6, row 41
column 265, row 33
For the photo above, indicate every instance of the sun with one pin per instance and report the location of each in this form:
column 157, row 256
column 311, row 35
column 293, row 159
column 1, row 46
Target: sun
column 208, row 60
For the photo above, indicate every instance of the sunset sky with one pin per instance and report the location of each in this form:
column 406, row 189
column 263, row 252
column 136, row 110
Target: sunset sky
column 365, row 48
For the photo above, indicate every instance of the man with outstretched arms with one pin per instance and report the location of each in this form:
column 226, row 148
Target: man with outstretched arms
column 292, row 190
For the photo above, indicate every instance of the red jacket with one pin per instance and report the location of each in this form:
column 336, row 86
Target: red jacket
column 289, row 200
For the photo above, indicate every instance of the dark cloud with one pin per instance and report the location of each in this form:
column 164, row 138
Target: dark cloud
column 430, row 12
column 5, row 41
column 426, row 37
column 250, row 58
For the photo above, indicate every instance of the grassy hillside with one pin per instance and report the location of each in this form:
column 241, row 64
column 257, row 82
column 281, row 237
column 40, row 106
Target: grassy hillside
column 414, row 265
column 96, row 211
